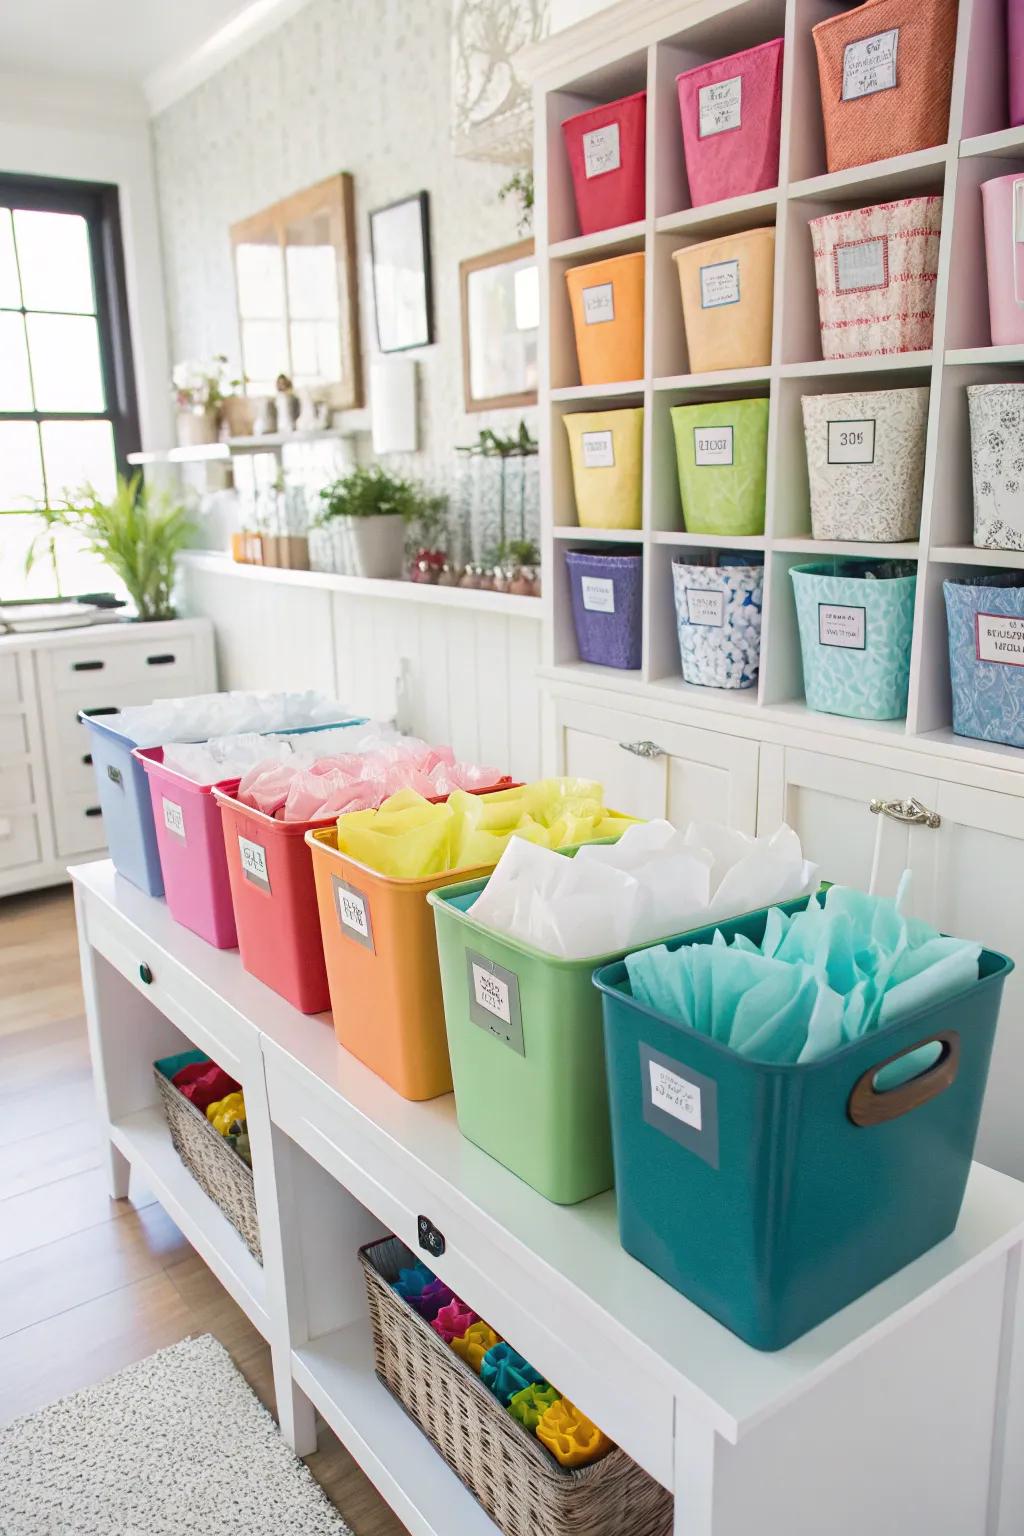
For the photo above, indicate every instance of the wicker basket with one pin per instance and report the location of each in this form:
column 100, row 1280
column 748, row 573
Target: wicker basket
column 212, row 1162
column 521, row 1486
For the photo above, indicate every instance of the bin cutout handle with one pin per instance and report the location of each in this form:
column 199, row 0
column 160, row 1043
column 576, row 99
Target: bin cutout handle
column 869, row 1106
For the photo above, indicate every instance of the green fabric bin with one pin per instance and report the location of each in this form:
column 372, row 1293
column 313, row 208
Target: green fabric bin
column 763, row 1194
column 722, row 455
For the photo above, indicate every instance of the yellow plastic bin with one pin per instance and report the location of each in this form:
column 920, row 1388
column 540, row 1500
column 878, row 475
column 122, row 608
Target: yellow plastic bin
column 607, row 466
column 607, row 299
column 727, row 287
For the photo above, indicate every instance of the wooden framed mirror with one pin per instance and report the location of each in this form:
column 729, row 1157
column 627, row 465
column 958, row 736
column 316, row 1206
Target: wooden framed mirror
column 500, row 320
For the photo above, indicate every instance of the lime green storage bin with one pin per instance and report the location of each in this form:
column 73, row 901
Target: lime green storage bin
column 772, row 1196
column 606, row 449
column 721, row 455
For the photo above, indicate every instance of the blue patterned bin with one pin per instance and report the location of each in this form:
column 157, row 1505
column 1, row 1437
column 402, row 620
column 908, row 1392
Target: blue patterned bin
column 856, row 621
column 718, row 615
column 985, row 616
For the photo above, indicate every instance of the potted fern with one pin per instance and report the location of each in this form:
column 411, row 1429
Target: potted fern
column 138, row 533
column 368, row 510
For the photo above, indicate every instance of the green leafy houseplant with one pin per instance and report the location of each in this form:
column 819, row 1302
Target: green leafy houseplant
column 371, row 492
column 365, row 502
column 138, row 533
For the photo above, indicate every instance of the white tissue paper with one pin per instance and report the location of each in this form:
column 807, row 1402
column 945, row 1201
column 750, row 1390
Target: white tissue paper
column 231, row 757
column 224, row 714
column 654, row 882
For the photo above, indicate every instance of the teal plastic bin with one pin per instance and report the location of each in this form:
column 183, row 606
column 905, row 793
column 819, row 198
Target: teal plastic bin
column 772, row 1196
column 856, row 621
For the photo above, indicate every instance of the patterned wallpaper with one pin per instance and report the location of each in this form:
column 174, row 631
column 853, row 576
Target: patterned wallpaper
column 342, row 85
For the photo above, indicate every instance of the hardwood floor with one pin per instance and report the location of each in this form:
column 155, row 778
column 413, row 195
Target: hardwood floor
column 89, row 1285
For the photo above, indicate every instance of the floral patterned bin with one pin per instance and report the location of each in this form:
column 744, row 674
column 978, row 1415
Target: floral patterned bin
column 865, row 463
column 997, row 462
column 985, row 615
column 718, row 616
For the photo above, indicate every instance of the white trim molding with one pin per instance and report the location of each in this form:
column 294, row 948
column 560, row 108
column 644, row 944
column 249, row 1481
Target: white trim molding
column 166, row 85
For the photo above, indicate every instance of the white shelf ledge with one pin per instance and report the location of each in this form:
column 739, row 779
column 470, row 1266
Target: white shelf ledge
column 881, row 362
column 730, row 213
column 1005, row 141
column 709, row 540
column 267, row 442
column 465, row 598
column 968, row 554
column 723, row 377
column 868, row 551
column 599, row 535
column 901, row 175
column 598, row 391
column 623, row 237
column 967, row 356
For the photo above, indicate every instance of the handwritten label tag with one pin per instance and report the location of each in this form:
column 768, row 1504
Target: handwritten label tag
column 719, row 106
column 601, row 152
column 861, row 264
column 598, row 304
column 254, row 863
column 705, row 608
column 851, row 442
column 680, row 1102
column 842, row 625
column 719, row 284
column 598, row 450
column 598, row 594
column 353, row 912
column 712, row 445
column 675, row 1095
column 494, row 1000
column 174, row 820
column 999, row 637
column 870, row 65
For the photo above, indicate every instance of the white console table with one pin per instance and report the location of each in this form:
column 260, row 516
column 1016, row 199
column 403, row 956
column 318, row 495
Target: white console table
column 899, row 1416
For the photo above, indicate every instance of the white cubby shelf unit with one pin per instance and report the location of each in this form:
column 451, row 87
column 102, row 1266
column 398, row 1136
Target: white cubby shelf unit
column 634, row 46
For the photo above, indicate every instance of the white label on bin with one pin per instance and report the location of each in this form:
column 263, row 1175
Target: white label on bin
column 598, row 450
column 353, row 912
column 719, row 284
column 494, row 1004
column 254, row 863
column 712, row 445
column 598, row 304
column 676, row 1096
column 851, row 442
column 719, row 106
column 492, row 994
column 870, row 65
column 174, row 821
column 842, row 625
column 860, row 265
column 601, row 152
column 999, row 637
column 706, row 608
column 598, row 594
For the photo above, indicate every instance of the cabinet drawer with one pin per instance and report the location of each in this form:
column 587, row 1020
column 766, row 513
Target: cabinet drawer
column 160, row 664
column 15, row 787
column 19, row 839
column 10, row 681
column 13, row 735
column 98, row 696
column 71, row 772
column 78, row 822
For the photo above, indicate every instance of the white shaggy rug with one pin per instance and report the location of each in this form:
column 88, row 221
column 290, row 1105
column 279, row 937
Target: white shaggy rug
column 177, row 1445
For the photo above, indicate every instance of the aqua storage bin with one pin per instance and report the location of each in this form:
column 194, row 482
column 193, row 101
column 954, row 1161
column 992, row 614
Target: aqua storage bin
column 772, row 1196
column 856, row 620
column 985, row 618
column 127, row 807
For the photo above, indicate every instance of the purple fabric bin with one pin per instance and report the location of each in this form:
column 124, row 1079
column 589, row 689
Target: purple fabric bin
column 607, row 599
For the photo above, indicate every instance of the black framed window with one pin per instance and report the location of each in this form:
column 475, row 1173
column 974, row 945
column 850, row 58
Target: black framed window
column 68, row 410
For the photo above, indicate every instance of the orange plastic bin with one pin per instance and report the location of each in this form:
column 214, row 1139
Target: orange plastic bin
column 607, row 300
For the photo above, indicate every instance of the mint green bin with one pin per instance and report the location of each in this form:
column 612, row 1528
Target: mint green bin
column 721, row 456
column 856, row 622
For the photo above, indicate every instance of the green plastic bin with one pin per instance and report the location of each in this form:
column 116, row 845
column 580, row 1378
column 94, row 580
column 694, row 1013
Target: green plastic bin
column 722, row 455
column 772, row 1196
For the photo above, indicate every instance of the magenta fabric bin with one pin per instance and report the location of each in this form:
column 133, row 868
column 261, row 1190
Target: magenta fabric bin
column 607, row 149
column 731, row 112
column 1015, row 59
column 190, row 837
column 607, row 606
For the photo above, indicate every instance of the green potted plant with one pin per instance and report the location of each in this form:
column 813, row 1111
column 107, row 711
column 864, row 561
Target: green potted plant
column 369, row 508
column 138, row 533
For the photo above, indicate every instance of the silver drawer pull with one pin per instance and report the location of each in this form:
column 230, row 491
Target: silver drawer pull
column 911, row 811
column 642, row 748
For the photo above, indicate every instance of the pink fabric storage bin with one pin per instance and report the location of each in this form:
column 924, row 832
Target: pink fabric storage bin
column 1002, row 206
column 731, row 114
column 1015, row 59
column 607, row 155
column 190, row 837
column 876, row 271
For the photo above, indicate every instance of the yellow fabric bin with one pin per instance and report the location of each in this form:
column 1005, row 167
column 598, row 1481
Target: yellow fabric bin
column 727, row 288
column 607, row 466
column 607, row 299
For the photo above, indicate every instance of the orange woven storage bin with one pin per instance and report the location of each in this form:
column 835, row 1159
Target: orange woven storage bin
column 607, row 299
column 886, row 69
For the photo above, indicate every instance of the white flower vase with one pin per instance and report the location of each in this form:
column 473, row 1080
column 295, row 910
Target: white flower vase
column 378, row 545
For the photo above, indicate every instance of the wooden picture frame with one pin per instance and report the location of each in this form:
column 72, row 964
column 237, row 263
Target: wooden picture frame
column 313, row 300
column 403, row 281
column 481, row 344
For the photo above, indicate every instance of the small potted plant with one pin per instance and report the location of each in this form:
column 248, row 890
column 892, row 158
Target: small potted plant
column 139, row 533
column 199, row 392
column 370, row 509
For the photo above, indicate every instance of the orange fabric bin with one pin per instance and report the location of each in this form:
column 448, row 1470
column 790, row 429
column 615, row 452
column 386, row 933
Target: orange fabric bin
column 727, row 288
column 607, row 299
column 886, row 71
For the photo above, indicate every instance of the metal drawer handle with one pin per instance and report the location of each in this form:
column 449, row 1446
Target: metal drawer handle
column 87, row 759
column 911, row 812
column 94, row 810
column 642, row 748
column 87, row 666
column 161, row 661
column 102, row 709
column 145, row 974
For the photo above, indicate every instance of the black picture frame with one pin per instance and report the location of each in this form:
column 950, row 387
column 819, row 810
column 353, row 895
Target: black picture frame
column 400, row 233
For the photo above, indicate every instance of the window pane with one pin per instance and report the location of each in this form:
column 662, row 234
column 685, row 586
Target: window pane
column 21, row 470
column 264, row 352
column 53, row 255
column 260, row 281
column 316, row 351
column 312, row 281
column 65, row 357
column 16, row 535
column 78, row 453
column 15, row 383
column 10, row 291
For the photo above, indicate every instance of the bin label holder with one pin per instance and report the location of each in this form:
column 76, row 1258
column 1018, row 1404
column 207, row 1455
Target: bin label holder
column 680, row 1102
column 494, row 1003
column 353, row 911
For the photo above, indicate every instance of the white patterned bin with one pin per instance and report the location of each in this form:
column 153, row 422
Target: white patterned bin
column 997, row 463
column 718, row 616
column 865, row 463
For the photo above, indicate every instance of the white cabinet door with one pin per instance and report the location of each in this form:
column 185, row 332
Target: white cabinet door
column 654, row 768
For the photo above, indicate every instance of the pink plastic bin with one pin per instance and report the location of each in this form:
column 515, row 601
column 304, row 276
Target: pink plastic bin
column 1002, row 206
column 607, row 155
column 190, row 838
column 731, row 114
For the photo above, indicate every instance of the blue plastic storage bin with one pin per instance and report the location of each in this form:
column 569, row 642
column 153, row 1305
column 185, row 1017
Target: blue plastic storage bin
column 985, row 618
column 856, row 621
column 772, row 1196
